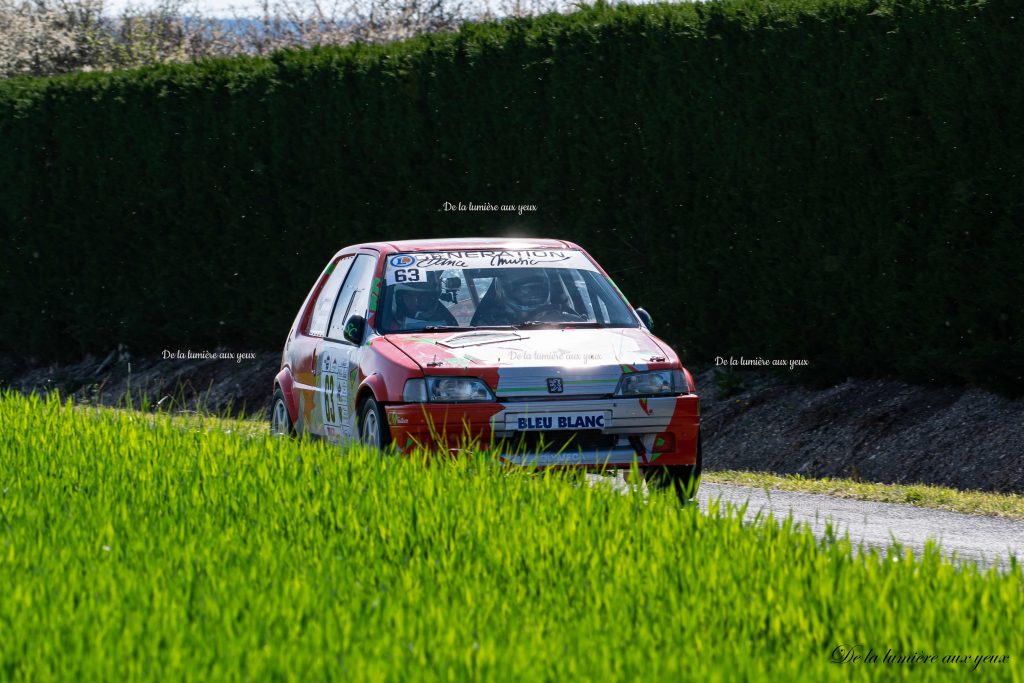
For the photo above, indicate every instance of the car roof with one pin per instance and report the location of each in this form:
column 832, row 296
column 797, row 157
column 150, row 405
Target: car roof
column 467, row 243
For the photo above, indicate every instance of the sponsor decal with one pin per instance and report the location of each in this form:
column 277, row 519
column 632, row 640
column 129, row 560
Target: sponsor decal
column 423, row 340
column 561, row 421
column 353, row 381
column 374, row 295
column 436, row 261
column 554, row 385
column 645, row 408
column 407, row 267
column 569, row 458
column 527, row 258
column 335, row 390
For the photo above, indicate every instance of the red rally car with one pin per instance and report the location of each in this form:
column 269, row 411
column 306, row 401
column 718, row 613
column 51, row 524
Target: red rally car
column 522, row 344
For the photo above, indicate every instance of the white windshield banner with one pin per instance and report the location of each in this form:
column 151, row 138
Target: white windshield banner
column 413, row 267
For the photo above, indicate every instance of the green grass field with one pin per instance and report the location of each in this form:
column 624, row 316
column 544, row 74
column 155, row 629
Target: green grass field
column 137, row 547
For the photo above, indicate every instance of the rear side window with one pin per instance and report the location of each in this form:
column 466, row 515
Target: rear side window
column 324, row 303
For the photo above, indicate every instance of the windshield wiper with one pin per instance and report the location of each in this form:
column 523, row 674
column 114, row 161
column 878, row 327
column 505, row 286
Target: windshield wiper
column 442, row 328
column 561, row 324
column 459, row 328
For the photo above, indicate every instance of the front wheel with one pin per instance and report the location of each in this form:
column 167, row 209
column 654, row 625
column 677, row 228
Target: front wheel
column 684, row 479
column 280, row 421
column 373, row 428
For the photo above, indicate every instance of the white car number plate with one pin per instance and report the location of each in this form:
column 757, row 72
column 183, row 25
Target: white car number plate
column 557, row 421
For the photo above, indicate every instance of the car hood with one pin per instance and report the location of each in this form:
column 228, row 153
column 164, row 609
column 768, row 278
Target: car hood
column 520, row 363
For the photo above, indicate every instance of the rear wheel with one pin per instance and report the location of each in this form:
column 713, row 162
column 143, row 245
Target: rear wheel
column 373, row 428
column 683, row 479
column 280, row 421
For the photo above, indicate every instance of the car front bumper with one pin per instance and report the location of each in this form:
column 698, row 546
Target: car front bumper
column 651, row 431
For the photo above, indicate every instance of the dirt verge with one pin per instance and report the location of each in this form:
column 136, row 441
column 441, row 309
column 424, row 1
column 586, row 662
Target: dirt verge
column 227, row 383
column 876, row 430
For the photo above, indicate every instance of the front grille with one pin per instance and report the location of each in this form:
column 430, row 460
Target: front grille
column 571, row 441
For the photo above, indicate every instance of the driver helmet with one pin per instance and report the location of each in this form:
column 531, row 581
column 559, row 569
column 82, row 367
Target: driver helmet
column 415, row 299
column 526, row 289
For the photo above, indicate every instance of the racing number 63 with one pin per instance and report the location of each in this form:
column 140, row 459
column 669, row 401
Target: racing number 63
column 407, row 275
column 329, row 397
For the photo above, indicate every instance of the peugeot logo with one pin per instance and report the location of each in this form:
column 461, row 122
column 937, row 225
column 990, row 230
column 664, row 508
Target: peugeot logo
column 554, row 385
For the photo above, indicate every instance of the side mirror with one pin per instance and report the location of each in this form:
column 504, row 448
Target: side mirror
column 645, row 318
column 354, row 329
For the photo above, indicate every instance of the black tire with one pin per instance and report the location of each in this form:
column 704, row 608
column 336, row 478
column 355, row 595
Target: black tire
column 280, row 420
column 372, row 425
column 684, row 479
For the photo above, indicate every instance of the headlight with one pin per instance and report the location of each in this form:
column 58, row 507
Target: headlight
column 653, row 383
column 458, row 389
column 415, row 391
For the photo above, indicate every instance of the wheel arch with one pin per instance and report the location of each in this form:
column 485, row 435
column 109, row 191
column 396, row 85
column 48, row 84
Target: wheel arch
column 371, row 387
column 286, row 383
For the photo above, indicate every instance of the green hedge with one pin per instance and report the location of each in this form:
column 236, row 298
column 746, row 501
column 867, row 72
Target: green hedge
column 840, row 181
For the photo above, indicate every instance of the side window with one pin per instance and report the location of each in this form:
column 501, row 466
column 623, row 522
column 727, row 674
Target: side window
column 325, row 299
column 354, row 297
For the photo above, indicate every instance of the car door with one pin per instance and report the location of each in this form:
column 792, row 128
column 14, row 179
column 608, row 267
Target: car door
column 307, row 339
column 339, row 358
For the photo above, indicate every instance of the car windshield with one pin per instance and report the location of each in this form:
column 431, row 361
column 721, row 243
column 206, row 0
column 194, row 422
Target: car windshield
column 456, row 290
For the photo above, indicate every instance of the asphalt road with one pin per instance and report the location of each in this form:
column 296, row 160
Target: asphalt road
column 987, row 541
